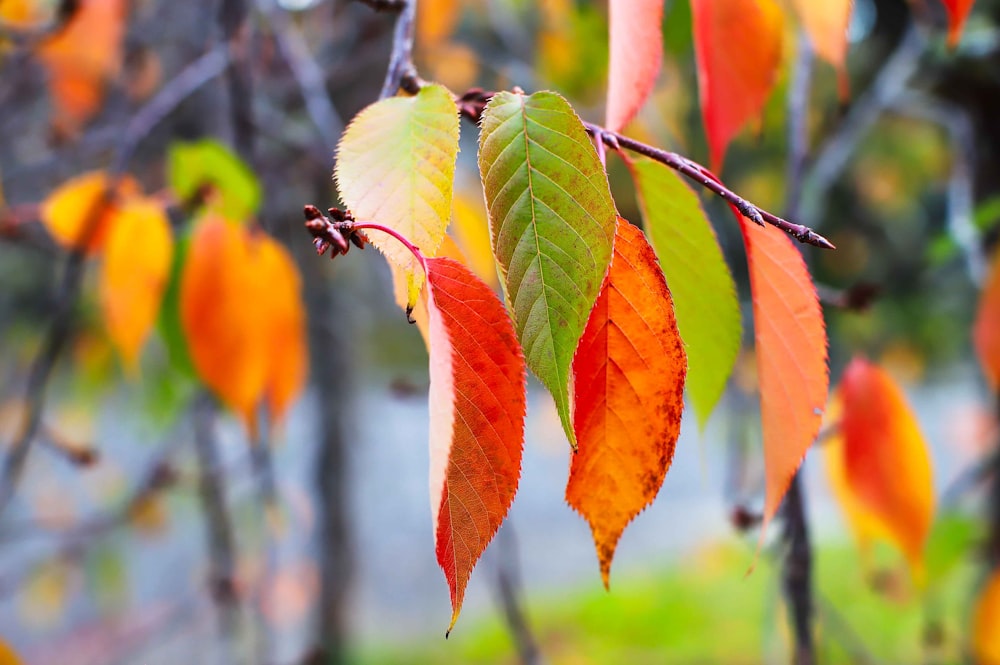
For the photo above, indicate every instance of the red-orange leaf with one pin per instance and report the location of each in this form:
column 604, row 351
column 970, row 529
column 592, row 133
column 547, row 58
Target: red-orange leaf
column 826, row 24
column 224, row 328
column 986, row 623
column 477, row 406
column 986, row 331
column 958, row 11
column 791, row 355
column 738, row 51
column 886, row 459
column 636, row 41
column 137, row 258
column 629, row 394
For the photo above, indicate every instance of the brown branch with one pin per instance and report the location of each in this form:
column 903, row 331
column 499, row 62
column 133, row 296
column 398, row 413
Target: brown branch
column 385, row 5
column 401, row 67
column 233, row 15
column 60, row 328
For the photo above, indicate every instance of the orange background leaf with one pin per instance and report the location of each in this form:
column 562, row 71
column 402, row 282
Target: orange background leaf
column 477, row 407
column 137, row 260
column 958, row 12
column 791, row 345
column 986, row 330
column 826, row 24
column 986, row 623
column 629, row 394
column 69, row 211
column 636, row 43
column 886, row 458
column 738, row 50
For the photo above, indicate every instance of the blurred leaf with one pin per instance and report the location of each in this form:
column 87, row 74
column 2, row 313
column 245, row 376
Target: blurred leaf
column 170, row 313
column 84, row 204
column 136, row 267
column 628, row 382
column 986, row 623
column 888, row 467
column 738, row 46
column 106, row 576
column 953, row 536
column 636, row 51
column 826, row 24
column 958, row 12
column 436, row 20
column 987, row 214
column 472, row 232
column 940, row 250
column 235, row 192
column 149, row 515
column 986, row 330
column 23, row 14
column 81, row 58
column 406, row 147
column 7, row 655
column 44, row 597
column 677, row 36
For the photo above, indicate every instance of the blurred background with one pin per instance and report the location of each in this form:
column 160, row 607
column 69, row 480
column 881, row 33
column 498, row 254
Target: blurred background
column 147, row 526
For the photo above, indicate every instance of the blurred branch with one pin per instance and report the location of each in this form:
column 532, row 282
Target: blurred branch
column 970, row 478
column 401, row 59
column 508, row 595
column 233, row 18
column 189, row 80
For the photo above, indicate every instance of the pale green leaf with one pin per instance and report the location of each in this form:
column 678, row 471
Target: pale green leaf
column 708, row 312
column 396, row 167
column 552, row 225
column 236, row 192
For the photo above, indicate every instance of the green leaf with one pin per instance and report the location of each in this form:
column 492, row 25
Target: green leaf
column 396, row 166
column 552, row 225
column 952, row 537
column 708, row 312
column 169, row 322
column 208, row 163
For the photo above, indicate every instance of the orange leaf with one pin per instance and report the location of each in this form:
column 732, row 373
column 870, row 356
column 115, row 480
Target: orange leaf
column 7, row 655
column 134, row 275
column 826, row 24
column 81, row 57
column 986, row 623
column 791, row 355
column 220, row 315
column 629, row 394
column 738, row 51
column 958, row 12
column 986, row 331
column 477, row 406
column 80, row 210
column 636, row 41
column 285, row 321
column 886, row 459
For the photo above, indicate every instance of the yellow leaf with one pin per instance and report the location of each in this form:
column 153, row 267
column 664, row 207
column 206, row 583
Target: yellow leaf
column 472, row 232
column 986, row 623
column 148, row 516
column 22, row 14
column 44, row 596
column 137, row 259
column 7, row 655
column 81, row 57
column 80, row 211
column 436, row 20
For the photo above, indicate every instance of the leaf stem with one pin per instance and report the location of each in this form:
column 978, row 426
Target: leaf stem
column 360, row 226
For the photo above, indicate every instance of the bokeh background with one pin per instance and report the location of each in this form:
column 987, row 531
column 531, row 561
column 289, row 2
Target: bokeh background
column 107, row 551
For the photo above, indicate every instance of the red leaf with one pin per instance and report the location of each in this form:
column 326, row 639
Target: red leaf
column 477, row 406
column 629, row 393
column 636, row 42
column 958, row 11
column 986, row 331
column 791, row 355
column 738, row 50
column 886, row 459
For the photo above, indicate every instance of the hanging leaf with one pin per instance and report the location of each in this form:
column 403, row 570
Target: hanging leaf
column 225, row 330
column 708, row 312
column 628, row 379
column 986, row 330
column 738, row 51
column 82, row 209
column 826, row 24
column 636, row 46
column 986, row 623
column 552, row 225
column 477, row 406
column 285, row 325
column 887, row 463
column 137, row 260
column 81, row 58
column 790, row 340
column 396, row 167
column 958, row 12
column 7, row 655
column 210, row 169
column 436, row 21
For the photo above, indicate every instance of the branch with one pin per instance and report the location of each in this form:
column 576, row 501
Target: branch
column 142, row 123
column 236, row 32
column 508, row 591
column 797, row 573
column 401, row 67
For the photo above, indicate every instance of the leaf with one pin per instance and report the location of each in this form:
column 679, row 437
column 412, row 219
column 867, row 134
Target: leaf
column 81, row 57
column 22, row 14
column 477, row 407
column 224, row 329
column 7, row 655
column 235, row 191
column 396, row 167
column 738, row 52
column 986, row 329
column 436, row 21
column 629, row 394
column 472, row 233
column 285, row 333
column 81, row 210
column 708, row 312
column 958, row 12
column 886, row 458
column 552, row 224
column 791, row 355
column 636, row 47
column 134, row 274
column 986, row 623
column 826, row 24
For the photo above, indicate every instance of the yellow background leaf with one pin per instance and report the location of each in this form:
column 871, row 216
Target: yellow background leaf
column 986, row 623
column 68, row 212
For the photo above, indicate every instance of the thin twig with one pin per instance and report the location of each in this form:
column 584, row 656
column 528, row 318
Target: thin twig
column 142, row 123
column 508, row 595
column 401, row 59
column 233, row 15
